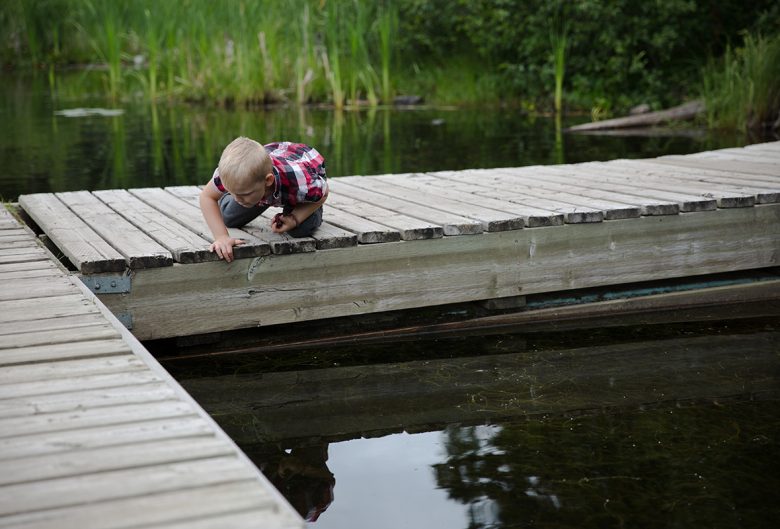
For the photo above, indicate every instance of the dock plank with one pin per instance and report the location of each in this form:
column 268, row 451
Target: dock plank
column 138, row 249
column 410, row 228
column 765, row 191
column 724, row 196
column 16, row 287
column 367, row 231
column 567, row 175
column 758, row 168
column 191, row 218
column 451, row 202
column 689, row 197
column 17, row 310
column 327, row 236
column 47, row 352
column 98, row 330
column 42, row 325
column 533, row 188
column 135, row 374
column 82, row 399
column 184, row 245
column 112, row 458
column 165, row 508
column 451, row 224
column 79, row 242
column 143, row 431
column 525, row 206
column 113, row 485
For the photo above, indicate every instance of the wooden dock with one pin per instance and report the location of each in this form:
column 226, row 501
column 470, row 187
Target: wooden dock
column 93, row 432
column 403, row 241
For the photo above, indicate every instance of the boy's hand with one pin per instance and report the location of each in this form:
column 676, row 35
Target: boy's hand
column 224, row 247
column 282, row 223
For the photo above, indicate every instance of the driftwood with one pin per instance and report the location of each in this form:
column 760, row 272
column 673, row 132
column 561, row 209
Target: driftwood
column 679, row 113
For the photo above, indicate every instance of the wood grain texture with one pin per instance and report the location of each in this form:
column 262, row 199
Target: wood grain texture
column 372, row 278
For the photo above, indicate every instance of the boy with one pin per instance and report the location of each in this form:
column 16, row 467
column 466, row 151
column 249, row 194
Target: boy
column 251, row 177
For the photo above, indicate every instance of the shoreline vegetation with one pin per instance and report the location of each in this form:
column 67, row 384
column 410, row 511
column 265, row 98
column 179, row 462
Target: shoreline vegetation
column 584, row 56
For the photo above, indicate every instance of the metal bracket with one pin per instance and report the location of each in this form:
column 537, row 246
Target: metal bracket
column 126, row 319
column 114, row 284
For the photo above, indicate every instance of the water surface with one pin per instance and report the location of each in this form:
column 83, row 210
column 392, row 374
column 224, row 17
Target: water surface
column 45, row 145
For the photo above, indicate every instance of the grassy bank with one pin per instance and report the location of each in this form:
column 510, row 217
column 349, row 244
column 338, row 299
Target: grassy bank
column 227, row 52
column 742, row 89
column 586, row 55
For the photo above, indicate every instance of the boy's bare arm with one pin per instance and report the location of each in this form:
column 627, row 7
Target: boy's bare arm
column 223, row 242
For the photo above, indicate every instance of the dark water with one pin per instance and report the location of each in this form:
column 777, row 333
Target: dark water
column 42, row 150
column 661, row 425
column 655, row 427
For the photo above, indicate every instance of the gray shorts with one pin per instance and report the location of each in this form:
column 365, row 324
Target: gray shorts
column 235, row 215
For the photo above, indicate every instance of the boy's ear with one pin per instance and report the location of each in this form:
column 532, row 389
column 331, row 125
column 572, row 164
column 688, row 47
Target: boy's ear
column 269, row 179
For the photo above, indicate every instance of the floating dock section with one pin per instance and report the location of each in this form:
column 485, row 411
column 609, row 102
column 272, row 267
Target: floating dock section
column 93, row 432
column 412, row 240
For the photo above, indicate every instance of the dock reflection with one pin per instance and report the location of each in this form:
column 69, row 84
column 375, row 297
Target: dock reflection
column 559, row 417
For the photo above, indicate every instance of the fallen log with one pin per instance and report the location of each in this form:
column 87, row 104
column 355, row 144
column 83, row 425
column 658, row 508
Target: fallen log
column 682, row 112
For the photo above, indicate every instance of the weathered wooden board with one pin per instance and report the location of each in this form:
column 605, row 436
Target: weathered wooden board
column 82, row 399
column 410, row 228
column 715, row 183
column 372, row 278
column 112, row 458
column 185, row 245
column 743, row 155
column 689, row 196
column 73, row 334
column 281, row 243
column 736, row 166
column 451, row 224
column 43, row 325
column 367, row 231
column 568, row 176
column 451, row 202
column 138, row 249
column 79, row 242
column 102, row 436
column 110, row 375
column 191, row 218
column 118, row 484
column 213, row 503
column 529, row 207
column 329, row 237
column 50, row 352
column 34, row 287
column 534, row 187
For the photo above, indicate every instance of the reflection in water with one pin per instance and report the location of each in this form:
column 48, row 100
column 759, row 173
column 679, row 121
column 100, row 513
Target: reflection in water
column 677, row 431
column 160, row 145
column 300, row 473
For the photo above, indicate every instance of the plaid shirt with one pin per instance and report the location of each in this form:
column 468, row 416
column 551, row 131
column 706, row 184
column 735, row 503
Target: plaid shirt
column 299, row 171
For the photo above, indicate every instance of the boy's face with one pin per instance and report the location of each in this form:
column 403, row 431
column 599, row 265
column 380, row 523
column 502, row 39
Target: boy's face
column 249, row 194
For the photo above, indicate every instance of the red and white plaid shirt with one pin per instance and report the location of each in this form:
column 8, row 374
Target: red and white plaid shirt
column 299, row 171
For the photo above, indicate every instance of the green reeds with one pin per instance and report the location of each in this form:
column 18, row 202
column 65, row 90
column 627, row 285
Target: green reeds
column 742, row 90
column 558, row 40
column 224, row 53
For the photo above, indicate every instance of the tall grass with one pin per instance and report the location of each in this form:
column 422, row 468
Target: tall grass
column 559, row 32
column 227, row 52
column 742, row 90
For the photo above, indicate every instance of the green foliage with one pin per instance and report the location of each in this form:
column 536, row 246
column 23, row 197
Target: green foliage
column 621, row 53
column 742, row 89
column 616, row 54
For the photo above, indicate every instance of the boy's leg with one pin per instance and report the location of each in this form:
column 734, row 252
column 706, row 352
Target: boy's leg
column 305, row 228
column 234, row 214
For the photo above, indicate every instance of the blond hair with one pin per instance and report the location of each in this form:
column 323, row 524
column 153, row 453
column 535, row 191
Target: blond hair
column 244, row 161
